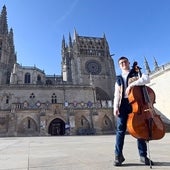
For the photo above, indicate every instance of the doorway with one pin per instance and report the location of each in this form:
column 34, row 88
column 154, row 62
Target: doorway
column 57, row 127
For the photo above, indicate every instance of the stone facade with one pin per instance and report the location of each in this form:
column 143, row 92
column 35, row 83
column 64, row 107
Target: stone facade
column 41, row 110
column 78, row 102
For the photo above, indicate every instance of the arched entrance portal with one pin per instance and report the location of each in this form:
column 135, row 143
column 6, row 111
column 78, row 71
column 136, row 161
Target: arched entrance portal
column 57, row 127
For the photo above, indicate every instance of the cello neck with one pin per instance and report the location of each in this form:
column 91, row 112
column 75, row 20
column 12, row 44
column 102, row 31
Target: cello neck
column 146, row 94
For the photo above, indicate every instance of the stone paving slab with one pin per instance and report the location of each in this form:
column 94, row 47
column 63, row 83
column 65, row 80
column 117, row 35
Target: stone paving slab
column 77, row 153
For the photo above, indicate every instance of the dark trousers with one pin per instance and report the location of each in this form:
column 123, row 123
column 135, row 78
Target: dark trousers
column 125, row 109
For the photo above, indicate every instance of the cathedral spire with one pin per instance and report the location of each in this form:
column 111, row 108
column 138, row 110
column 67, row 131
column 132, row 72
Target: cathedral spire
column 75, row 35
column 147, row 66
column 11, row 39
column 106, row 46
column 70, row 41
column 63, row 43
column 3, row 21
column 104, row 36
column 12, row 58
column 155, row 64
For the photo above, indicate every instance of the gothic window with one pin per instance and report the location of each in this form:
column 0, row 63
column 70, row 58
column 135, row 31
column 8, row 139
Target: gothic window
column 49, row 82
column 84, row 122
column 8, row 77
column 32, row 96
column 27, row 78
column 7, row 99
column 38, row 78
column 54, row 98
column 93, row 67
column 29, row 123
column 106, row 124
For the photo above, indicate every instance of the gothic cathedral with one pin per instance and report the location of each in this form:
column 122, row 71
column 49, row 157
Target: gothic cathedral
column 77, row 102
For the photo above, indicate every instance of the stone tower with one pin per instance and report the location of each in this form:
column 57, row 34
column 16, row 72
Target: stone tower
column 87, row 60
column 7, row 50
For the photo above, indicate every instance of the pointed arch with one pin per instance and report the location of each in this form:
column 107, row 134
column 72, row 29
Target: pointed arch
column 27, row 126
column 84, row 123
column 107, row 125
column 39, row 79
column 84, row 127
column 27, row 78
column 56, row 127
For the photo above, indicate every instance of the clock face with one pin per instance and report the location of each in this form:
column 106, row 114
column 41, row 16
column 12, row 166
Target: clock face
column 93, row 67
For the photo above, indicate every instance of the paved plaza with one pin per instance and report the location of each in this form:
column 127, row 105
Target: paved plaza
column 77, row 153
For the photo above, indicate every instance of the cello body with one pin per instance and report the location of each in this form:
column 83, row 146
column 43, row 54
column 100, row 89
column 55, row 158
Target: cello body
column 143, row 122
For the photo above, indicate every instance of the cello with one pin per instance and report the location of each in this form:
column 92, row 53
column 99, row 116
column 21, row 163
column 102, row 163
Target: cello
column 143, row 122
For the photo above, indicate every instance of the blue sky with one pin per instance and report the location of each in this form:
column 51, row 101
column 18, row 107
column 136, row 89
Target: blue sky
column 133, row 28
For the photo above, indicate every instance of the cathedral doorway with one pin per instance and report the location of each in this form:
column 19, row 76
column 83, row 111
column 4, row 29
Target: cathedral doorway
column 57, row 127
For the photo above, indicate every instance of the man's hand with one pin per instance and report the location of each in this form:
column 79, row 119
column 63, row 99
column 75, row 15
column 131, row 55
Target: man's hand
column 128, row 90
column 116, row 112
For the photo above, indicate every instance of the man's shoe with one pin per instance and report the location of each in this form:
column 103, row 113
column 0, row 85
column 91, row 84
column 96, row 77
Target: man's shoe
column 146, row 160
column 118, row 160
